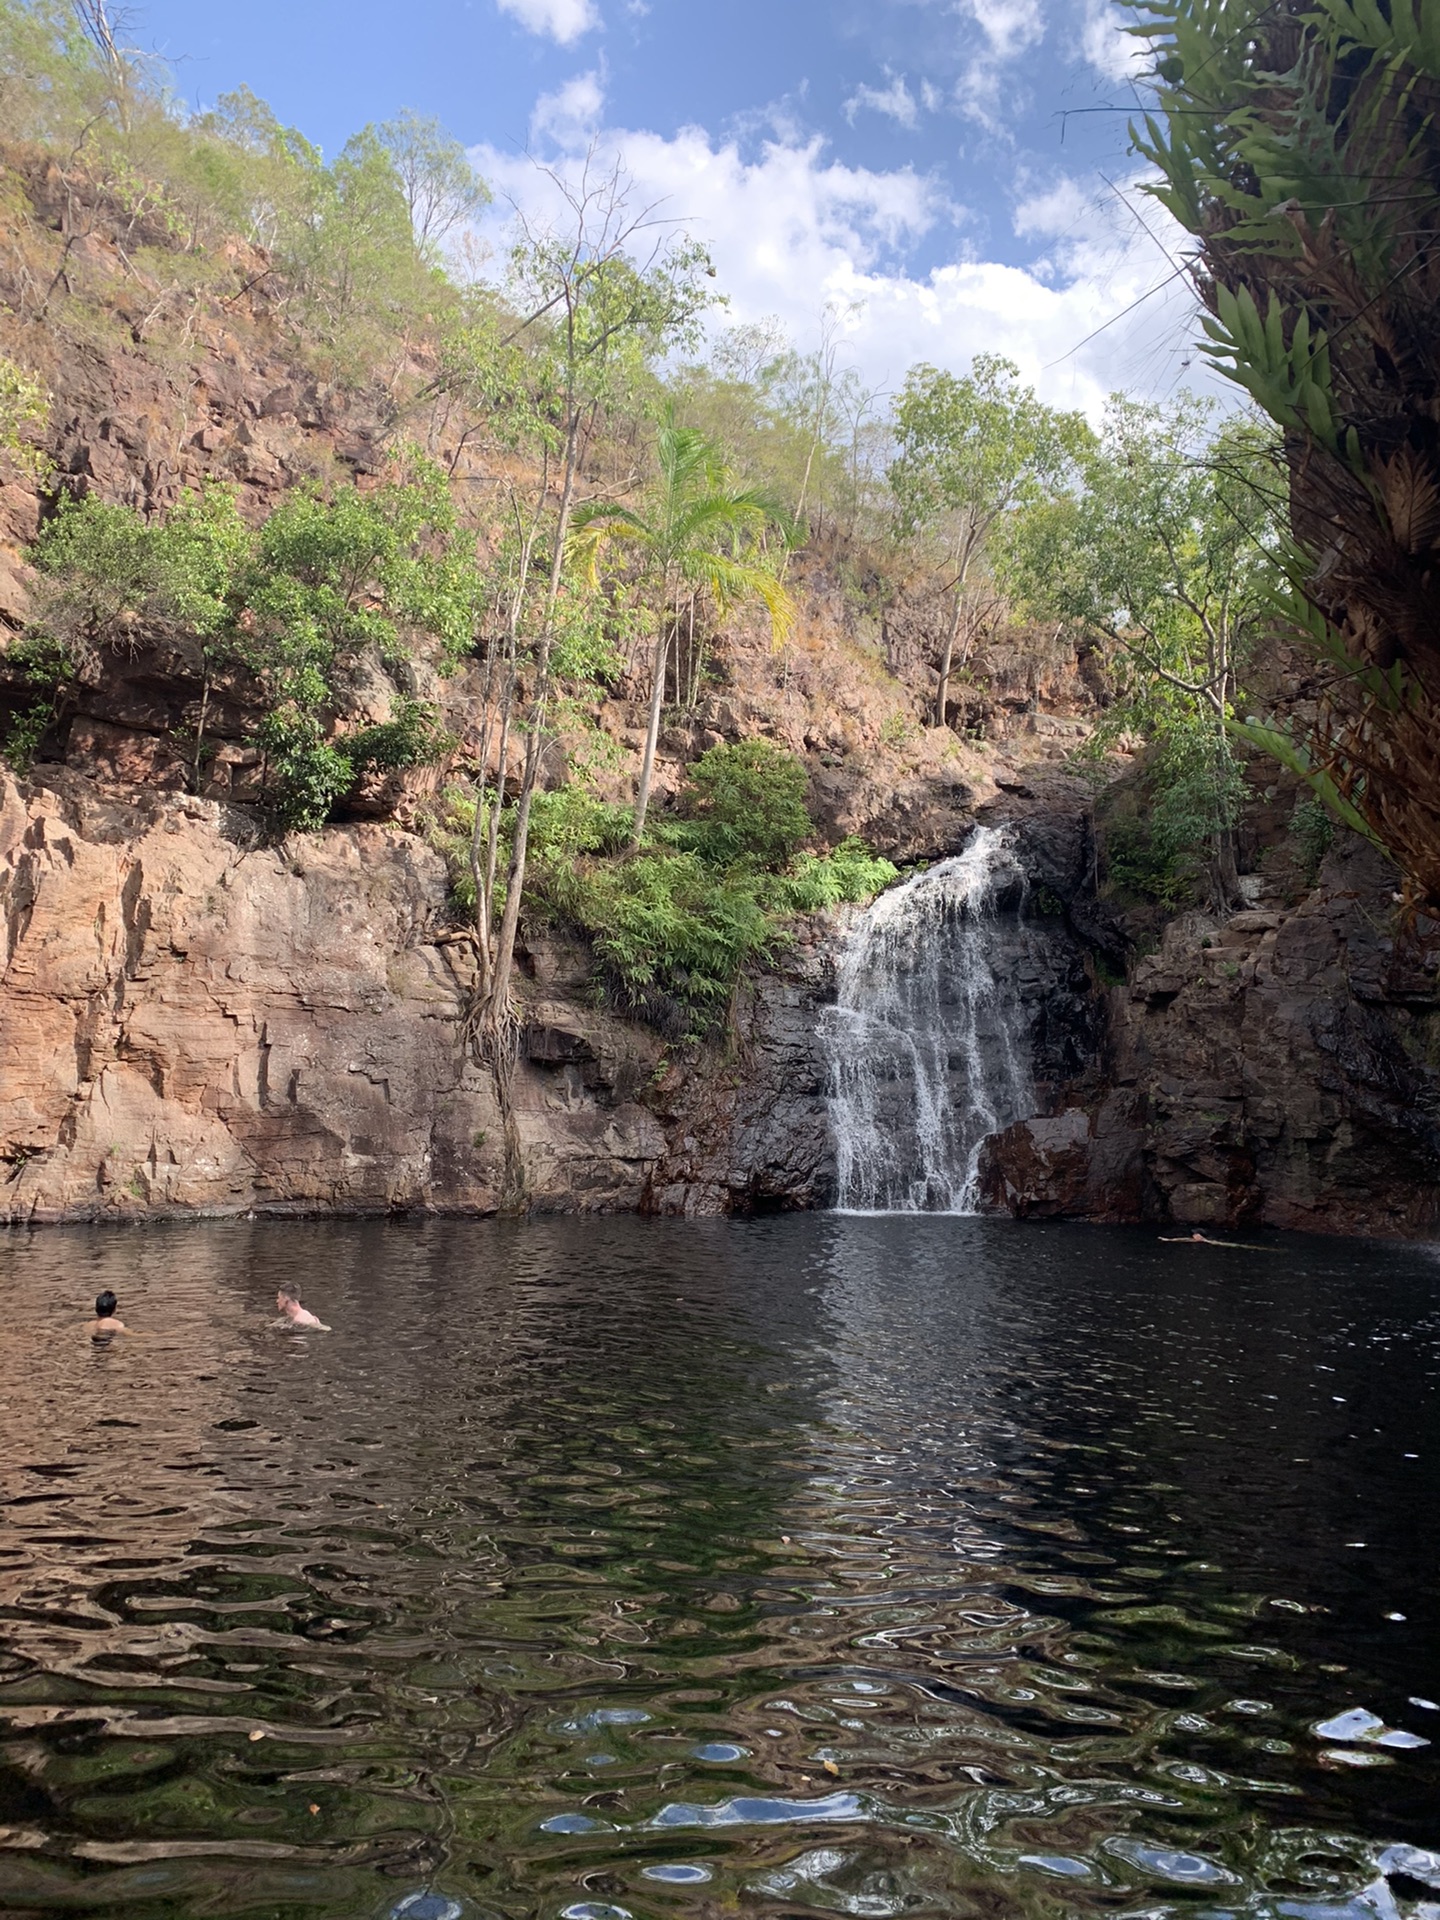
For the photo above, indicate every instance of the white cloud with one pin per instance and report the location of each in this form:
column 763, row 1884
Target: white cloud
column 896, row 101
column 1110, row 49
column 1054, row 214
column 1009, row 26
column 568, row 118
column 562, row 20
column 793, row 232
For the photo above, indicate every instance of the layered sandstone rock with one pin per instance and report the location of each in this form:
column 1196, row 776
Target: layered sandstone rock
column 191, row 1022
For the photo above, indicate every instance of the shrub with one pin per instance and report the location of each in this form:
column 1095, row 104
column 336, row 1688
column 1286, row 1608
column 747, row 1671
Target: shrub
column 294, row 604
column 673, row 923
column 1314, row 831
column 745, row 805
column 24, row 415
column 815, row 882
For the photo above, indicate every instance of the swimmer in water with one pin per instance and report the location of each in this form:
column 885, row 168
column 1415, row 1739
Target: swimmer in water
column 295, row 1315
column 106, row 1323
column 1202, row 1239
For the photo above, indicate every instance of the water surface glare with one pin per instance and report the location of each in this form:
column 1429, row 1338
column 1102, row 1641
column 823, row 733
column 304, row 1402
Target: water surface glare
column 802, row 1566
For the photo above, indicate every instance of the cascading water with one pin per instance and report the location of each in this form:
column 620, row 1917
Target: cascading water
column 927, row 1045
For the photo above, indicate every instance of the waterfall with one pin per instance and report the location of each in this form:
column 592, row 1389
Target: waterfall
column 927, row 1046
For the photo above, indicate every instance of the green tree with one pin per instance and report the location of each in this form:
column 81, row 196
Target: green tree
column 744, row 805
column 971, row 451
column 24, row 415
column 440, row 186
column 694, row 532
column 1168, row 553
column 294, row 604
column 599, row 299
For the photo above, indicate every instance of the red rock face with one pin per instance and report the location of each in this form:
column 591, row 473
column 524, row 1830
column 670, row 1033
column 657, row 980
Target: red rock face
column 192, row 1024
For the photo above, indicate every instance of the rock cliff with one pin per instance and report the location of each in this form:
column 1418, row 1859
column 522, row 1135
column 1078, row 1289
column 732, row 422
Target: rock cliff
column 1276, row 1066
column 194, row 1023
column 196, row 1019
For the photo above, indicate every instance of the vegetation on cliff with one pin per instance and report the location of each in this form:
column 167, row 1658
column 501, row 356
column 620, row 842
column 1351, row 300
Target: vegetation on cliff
column 573, row 492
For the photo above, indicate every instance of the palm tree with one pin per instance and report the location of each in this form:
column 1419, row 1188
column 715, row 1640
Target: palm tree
column 694, row 532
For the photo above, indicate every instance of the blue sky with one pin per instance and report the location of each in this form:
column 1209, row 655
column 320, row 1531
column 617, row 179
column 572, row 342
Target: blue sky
column 946, row 175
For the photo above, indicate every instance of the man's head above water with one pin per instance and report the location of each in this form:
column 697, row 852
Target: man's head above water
column 105, row 1305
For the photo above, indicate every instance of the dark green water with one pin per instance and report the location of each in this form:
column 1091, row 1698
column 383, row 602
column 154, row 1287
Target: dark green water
column 806, row 1566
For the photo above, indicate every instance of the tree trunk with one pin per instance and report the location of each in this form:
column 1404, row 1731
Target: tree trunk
column 515, row 885
column 1226, row 872
column 494, row 1017
column 195, row 776
column 652, row 733
column 947, row 656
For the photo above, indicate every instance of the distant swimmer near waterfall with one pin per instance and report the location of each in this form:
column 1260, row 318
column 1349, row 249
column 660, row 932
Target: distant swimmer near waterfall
column 1198, row 1239
column 295, row 1315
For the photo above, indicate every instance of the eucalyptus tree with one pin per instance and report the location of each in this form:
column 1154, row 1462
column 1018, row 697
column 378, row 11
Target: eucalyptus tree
column 600, row 294
column 973, row 450
column 695, row 531
column 1168, row 553
column 440, row 186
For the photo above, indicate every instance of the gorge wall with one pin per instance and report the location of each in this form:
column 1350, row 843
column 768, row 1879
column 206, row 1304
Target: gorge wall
column 193, row 1022
column 195, row 1018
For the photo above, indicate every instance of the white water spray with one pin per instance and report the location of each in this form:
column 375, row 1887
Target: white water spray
column 927, row 1044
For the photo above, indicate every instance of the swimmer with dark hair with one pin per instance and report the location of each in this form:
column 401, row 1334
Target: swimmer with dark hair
column 106, row 1323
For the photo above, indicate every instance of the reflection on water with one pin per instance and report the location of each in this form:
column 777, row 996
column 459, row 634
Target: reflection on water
column 848, row 1566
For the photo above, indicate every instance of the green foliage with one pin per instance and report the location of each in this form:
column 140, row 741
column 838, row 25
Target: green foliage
column 24, row 414
column 45, row 666
column 293, row 605
column 352, row 245
column 411, row 737
column 1155, row 832
column 309, row 773
column 439, row 185
column 110, row 573
column 803, row 425
column 814, row 882
column 673, row 923
column 972, row 448
column 305, row 773
column 1168, row 548
column 1301, row 148
column 1168, row 552
column 1293, row 753
column 596, row 320
column 695, row 532
column 1314, row 832
column 745, row 805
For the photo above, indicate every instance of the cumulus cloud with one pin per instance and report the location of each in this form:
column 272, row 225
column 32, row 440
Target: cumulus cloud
column 792, row 233
column 1009, row 26
column 1110, row 49
column 1055, row 213
column 567, row 119
column 895, row 101
column 562, row 20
